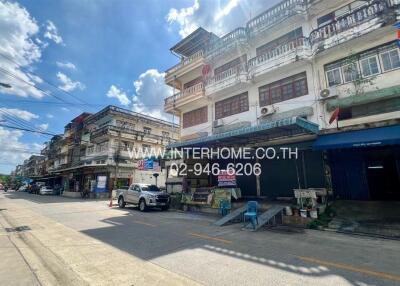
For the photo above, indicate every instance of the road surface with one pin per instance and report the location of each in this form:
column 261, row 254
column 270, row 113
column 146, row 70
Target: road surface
column 48, row 240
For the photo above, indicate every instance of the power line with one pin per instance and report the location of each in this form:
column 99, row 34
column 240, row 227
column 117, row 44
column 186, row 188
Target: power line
column 26, row 129
column 18, row 121
column 46, row 81
column 10, row 74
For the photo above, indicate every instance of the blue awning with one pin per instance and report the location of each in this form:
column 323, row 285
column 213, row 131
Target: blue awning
column 373, row 137
column 288, row 126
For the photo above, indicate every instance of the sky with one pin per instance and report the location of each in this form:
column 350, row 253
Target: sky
column 66, row 57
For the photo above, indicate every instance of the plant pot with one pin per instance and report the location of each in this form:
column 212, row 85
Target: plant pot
column 314, row 213
column 303, row 213
column 288, row 211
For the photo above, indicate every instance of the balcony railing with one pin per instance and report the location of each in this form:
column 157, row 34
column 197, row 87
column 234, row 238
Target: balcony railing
column 276, row 15
column 296, row 45
column 197, row 88
column 226, row 42
column 186, row 61
column 228, row 74
column 356, row 18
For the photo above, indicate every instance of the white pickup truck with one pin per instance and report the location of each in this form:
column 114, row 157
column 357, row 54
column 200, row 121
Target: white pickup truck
column 143, row 195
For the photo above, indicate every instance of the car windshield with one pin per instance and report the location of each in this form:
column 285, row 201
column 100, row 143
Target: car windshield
column 150, row 188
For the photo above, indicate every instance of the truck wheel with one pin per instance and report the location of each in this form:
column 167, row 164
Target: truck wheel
column 165, row 208
column 142, row 205
column 121, row 202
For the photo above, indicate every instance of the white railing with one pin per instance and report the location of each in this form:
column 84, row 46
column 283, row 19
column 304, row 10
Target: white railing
column 197, row 88
column 230, row 73
column 280, row 51
column 226, row 42
column 186, row 61
column 275, row 15
column 358, row 17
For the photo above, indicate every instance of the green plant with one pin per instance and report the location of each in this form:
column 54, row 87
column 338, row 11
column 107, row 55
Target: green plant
column 350, row 68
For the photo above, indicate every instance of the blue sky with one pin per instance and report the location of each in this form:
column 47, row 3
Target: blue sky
column 102, row 52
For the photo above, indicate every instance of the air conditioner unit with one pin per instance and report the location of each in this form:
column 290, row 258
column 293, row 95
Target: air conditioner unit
column 328, row 93
column 218, row 123
column 265, row 111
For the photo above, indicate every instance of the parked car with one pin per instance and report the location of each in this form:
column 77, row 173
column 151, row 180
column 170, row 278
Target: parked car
column 46, row 190
column 23, row 188
column 143, row 195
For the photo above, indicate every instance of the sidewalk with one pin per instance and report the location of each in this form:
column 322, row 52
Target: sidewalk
column 40, row 251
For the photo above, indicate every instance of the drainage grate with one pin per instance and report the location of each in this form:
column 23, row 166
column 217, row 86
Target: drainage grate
column 18, row 228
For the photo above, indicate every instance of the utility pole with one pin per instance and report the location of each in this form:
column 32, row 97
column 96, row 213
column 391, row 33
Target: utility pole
column 118, row 154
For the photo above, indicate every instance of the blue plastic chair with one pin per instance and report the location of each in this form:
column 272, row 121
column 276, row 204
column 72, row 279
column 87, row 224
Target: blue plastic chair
column 224, row 207
column 251, row 213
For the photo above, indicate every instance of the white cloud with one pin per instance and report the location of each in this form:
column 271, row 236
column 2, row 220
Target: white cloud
column 226, row 10
column 64, row 109
column 48, row 115
column 150, row 91
column 66, row 65
column 183, row 18
column 12, row 149
column 18, row 51
column 52, row 33
column 43, row 126
column 115, row 92
column 219, row 17
column 19, row 113
column 67, row 84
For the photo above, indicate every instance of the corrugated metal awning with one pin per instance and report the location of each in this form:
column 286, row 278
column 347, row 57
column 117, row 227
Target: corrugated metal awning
column 270, row 130
column 373, row 137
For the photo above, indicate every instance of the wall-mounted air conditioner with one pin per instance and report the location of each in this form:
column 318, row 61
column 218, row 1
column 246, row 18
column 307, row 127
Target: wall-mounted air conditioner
column 218, row 123
column 265, row 111
column 328, row 93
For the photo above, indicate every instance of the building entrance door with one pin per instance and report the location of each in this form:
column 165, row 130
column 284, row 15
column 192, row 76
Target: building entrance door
column 383, row 175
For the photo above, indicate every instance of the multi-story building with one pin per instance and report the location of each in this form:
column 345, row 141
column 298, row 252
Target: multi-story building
column 105, row 140
column 34, row 166
column 279, row 80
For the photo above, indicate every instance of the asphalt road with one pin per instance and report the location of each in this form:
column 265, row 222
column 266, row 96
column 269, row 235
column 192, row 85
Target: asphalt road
column 93, row 244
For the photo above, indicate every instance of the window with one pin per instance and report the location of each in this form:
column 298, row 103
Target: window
column 233, row 105
column 234, row 64
column 390, row 60
column 334, row 77
column 283, row 90
column 370, row 66
column 350, row 72
column 165, row 134
column 146, row 130
column 195, row 117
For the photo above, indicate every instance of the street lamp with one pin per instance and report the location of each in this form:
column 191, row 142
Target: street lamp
column 5, row 85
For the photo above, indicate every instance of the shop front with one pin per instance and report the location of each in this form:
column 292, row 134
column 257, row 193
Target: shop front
column 365, row 164
column 289, row 164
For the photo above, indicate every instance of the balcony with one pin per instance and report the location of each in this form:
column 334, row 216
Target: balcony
column 284, row 54
column 187, row 64
column 188, row 95
column 275, row 15
column 229, row 78
column 227, row 43
column 361, row 21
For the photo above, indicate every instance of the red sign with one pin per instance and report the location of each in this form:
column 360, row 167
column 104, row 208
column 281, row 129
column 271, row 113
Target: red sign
column 140, row 165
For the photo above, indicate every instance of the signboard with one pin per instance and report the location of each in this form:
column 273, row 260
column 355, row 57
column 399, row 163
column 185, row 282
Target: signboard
column 225, row 179
column 140, row 165
column 148, row 164
column 101, row 183
column 156, row 167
